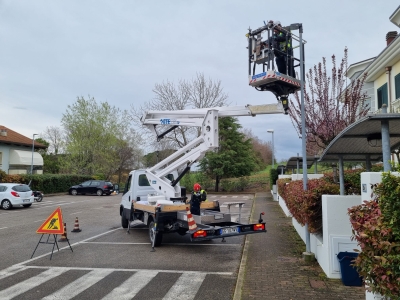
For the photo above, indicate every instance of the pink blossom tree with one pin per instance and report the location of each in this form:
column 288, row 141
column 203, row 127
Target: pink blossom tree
column 330, row 106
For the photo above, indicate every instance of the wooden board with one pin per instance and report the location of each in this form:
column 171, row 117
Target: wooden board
column 165, row 207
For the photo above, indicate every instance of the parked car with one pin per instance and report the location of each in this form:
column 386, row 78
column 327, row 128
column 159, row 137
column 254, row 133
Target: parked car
column 12, row 194
column 98, row 187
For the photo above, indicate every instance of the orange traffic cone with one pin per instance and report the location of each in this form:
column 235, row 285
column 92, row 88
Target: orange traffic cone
column 63, row 237
column 76, row 226
column 192, row 224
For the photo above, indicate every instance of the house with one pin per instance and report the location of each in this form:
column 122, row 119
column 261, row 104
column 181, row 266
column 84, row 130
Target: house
column 382, row 83
column 17, row 155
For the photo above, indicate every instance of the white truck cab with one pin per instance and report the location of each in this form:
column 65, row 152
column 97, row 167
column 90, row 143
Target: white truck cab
column 137, row 188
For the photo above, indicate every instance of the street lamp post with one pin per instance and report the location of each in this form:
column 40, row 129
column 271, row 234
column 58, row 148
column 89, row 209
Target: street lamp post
column 272, row 131
column 33, row 148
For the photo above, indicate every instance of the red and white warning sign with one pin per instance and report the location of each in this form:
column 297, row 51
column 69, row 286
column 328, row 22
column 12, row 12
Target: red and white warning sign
column 53, row 224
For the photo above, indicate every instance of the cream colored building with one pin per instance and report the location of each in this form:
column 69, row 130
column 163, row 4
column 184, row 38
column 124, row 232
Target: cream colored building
column 16, row 155
column 382, row 83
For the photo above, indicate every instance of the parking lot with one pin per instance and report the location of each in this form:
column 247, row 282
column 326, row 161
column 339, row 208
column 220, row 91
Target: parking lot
column 103, row 252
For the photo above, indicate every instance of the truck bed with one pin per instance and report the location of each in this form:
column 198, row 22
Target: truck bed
column 171, row 208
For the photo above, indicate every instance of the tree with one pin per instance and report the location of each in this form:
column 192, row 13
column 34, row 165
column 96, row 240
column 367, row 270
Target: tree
column 198, row 93
column 262, row 150
column 50, row 161
column 98, row 138
column 234, row 157
column 55, row 138
column 329, row 105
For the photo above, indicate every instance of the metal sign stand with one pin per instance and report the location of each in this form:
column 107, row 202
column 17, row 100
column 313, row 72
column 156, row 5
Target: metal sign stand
column 51, row 243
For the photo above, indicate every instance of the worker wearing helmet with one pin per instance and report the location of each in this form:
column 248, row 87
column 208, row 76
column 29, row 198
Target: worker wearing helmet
column 198, row 195
column 283, row 49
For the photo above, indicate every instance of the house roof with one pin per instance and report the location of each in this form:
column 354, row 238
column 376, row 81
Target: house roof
column 10, row 137
column 395, row 17
column 388, row 57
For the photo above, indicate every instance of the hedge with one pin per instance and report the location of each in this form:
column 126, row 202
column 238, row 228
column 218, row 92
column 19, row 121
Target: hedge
column 47, row 183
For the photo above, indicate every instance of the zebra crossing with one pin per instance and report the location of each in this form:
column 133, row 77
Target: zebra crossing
column 185, row 286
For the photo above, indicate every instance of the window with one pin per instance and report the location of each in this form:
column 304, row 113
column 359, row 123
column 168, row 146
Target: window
column 128, row 184
column 397, row 85
column 382, row 95
column 21, row 188
column 143, row 181
column 3, row 188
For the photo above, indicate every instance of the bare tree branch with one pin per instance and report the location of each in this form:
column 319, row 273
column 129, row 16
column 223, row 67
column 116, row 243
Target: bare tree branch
column 198, row 93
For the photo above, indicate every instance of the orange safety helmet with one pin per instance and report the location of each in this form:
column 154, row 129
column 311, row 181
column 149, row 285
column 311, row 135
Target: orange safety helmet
column 197, row 187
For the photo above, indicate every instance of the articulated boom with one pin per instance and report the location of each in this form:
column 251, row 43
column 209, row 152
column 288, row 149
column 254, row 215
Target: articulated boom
column 207, row 119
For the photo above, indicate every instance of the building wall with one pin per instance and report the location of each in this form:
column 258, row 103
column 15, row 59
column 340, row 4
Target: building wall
column 394, row 72
column 5, row 161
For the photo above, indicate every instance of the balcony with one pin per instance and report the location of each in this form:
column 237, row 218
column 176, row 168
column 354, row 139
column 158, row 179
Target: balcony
column 396, row 106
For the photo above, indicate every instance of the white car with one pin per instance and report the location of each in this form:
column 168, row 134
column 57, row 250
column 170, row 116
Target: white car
column 12, row 194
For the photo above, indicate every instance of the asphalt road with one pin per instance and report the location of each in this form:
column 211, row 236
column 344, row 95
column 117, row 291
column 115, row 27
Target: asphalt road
column 106, row 261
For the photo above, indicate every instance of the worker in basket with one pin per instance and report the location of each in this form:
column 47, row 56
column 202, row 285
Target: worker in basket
column 198, row 195
column 284, row 53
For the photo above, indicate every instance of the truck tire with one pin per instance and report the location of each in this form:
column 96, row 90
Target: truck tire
column 155, row 235
column 124, row 221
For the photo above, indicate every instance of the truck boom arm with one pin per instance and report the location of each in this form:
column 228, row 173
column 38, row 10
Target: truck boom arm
column 207, row 119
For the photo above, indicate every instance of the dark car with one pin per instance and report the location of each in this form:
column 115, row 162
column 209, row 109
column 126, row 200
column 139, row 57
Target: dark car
column 98, row 187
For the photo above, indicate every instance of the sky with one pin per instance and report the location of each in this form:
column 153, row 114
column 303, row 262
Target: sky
column 54, row 51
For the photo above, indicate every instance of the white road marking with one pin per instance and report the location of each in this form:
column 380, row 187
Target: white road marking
column 24, row 286
column 3, row 227
column 186, row 286
column 130, row 287
column 66, row 247
column 173, row 244
column 112, row 243
column 75, row 213
column 127, row 270
column 79, row 285
column 234, row 196
column 10, row 271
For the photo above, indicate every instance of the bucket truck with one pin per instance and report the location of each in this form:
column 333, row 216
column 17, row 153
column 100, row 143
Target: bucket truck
column 154, row 196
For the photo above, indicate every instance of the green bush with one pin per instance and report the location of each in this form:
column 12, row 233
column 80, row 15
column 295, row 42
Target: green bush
column 376, row 228
column 273, row 177
column 352, row 181
column 189, row 179
column 48, row 183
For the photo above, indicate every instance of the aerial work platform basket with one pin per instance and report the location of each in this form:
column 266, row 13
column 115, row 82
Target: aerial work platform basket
column 262, row 51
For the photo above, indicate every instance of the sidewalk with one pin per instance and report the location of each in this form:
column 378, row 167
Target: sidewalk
column 272, row 266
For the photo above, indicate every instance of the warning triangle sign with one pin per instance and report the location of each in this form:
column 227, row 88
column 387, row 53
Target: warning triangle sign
column 53, row 224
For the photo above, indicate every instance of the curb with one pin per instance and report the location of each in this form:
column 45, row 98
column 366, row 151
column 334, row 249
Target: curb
column 242, row 268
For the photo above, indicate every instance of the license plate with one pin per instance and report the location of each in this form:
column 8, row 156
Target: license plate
column 229, row 230
column 27, row 200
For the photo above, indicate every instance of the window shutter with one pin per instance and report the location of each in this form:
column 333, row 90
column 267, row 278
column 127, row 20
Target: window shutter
column 397, row 85
column 382, row 95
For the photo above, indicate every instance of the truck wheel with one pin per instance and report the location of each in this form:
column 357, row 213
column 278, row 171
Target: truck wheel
column 124, row 221
column 157, row 237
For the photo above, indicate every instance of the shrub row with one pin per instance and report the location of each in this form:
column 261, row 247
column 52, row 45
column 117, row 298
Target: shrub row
column 306, row 206
column 47, row 183
column 376, row 228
